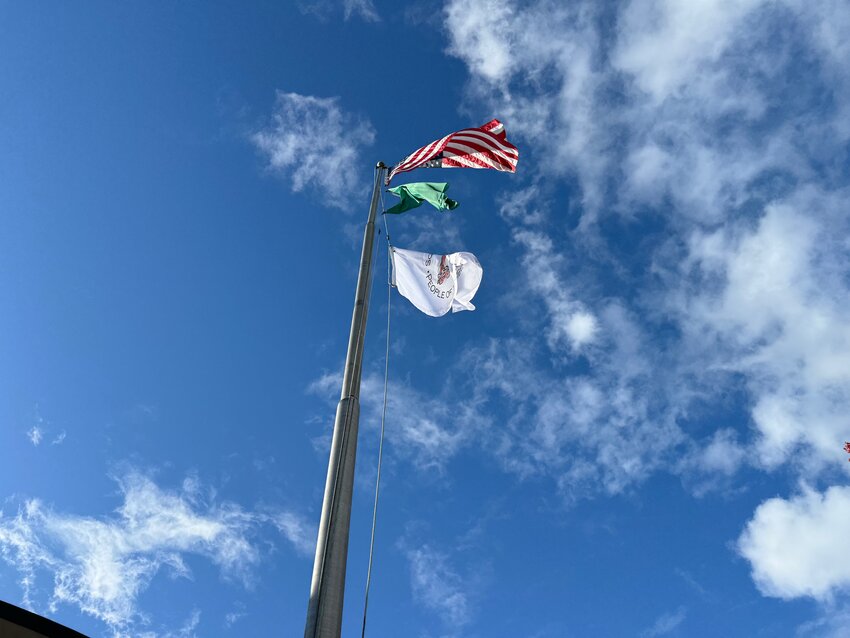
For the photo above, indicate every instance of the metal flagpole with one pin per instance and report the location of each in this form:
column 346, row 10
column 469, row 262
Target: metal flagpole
column 324, row 612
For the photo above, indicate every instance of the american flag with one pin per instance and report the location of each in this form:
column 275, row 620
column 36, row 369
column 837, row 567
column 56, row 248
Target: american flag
column 483, row 147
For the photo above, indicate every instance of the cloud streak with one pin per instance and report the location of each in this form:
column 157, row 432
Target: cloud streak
column 666, row 623
column 315, row 145
column 102, row 565
column 437, row 586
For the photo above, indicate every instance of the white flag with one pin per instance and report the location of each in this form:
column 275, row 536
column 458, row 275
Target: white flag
column 437, row 283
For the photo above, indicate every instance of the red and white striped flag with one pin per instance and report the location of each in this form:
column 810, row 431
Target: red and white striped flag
column 483, row 147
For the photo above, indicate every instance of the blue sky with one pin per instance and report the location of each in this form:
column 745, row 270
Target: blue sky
column 638, row 432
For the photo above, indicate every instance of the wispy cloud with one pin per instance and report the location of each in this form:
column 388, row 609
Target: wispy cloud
column 38, row 430
column 833, row 622
column 363, row 8
column 314, row 144
column 187, row 630
column 297, row 530
column 102, row 565
column 325, row 9
column 426, row 430
column 41, row 430
column 438, row 586
column 666, row 623
column 588, row 433
column 35, row 434
column 232, row 617
column 570, row 323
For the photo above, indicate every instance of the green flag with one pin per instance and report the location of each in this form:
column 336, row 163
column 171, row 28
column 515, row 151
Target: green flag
column 412, row 196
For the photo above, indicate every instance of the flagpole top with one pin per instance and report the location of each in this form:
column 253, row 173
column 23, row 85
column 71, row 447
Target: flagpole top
column 380, row 165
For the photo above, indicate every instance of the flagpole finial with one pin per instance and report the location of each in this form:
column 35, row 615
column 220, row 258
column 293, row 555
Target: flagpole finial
column 380, row 165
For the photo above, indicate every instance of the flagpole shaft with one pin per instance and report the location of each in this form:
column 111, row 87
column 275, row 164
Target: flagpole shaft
column 324, row 611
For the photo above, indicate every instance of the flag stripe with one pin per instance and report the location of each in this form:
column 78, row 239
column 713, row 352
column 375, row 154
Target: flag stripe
column 472, row 160
column 464, row 162
column 422, row 155
column 484, row 147
column 487, row 138
column 459, row 149
column 482, row 160
column 429, row 151
column 476, row 144
column 499, row 163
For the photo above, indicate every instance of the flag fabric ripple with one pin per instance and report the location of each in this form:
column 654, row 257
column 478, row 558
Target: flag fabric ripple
column 412, row 196
column 484, row 147
column 435, row 283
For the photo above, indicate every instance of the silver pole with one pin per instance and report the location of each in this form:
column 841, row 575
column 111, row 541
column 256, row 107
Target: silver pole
column 324, row 612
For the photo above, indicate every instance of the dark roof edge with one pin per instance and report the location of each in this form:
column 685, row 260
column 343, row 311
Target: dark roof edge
column 34, row 622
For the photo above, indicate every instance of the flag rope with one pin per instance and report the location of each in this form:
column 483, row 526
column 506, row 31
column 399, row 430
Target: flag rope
column 383, row 421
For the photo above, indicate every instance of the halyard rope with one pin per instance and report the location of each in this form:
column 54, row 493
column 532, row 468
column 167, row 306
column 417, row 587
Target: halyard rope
column 383, row 421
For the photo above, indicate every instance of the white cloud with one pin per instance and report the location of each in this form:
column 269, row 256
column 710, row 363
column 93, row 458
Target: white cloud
column 315, row 144
column 524, row 206
column 589, row 433
column 480, row 33
column 592, row 432
column 797, row 546
column 723, row 454
column 581, row 328
column 678, row 116
column 534, row 44
column 721, row 336
column 779, row 309
column 298, row 531
column 426, row 430
column 663, row 44
column 662, row 107
column 102, row 565
column 570, row 322
column 438, row 586
column 35, row 434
